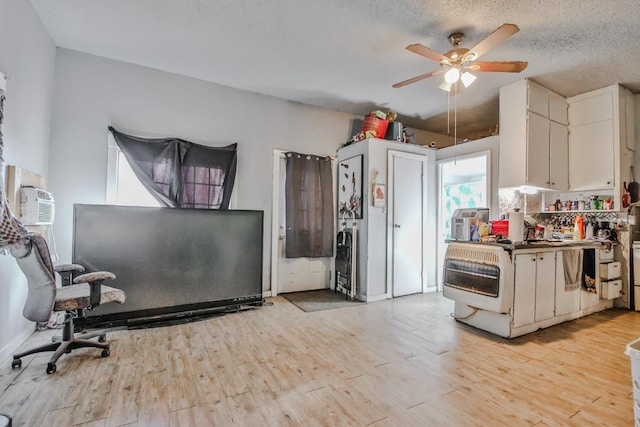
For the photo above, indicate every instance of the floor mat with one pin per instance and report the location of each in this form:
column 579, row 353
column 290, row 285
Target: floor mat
column 324, row 299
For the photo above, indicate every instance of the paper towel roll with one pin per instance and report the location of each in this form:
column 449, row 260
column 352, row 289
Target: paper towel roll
column 516, row 226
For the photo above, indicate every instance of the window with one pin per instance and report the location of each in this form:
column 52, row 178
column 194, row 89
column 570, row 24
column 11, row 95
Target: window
column 123, row 187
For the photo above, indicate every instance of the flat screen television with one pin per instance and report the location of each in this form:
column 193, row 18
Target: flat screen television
column 171, row 263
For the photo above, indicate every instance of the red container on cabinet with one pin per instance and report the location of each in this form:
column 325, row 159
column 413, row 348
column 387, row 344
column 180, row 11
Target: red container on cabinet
column 500, row 227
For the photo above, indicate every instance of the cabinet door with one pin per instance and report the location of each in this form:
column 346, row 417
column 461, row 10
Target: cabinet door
column 538, row 151
column 591, row 156
column 545, row 285
column 538, row 100
column 591, row 107
column 558, row 109
column 558, row 156
column 524, row 290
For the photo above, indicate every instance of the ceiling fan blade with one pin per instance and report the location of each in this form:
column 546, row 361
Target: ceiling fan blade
column 499, row 66
column 417, row 78
column 492, row 40
column 427, row 53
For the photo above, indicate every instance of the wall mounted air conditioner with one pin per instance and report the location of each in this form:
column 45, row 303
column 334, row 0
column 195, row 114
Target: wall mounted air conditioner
column 36, row 206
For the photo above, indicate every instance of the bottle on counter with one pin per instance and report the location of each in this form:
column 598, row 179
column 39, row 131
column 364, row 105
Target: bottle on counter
column 588, row 231
column 578, row 228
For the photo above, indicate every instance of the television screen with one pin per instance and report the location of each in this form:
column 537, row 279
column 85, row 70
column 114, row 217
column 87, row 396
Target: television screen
column 170, row 260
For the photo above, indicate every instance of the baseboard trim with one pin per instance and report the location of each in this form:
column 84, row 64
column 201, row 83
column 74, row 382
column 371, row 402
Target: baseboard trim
column 374, row 298
column 8, row 350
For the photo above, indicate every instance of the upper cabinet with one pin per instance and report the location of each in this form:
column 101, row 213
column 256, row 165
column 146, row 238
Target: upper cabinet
column 601, row 140
column 533, row 137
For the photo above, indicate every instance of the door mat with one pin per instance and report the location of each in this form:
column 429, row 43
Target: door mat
column 324, row 299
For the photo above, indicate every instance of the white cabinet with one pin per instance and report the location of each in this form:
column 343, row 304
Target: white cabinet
column 533, row 137
column 558, row 155
column 546, row 103
column 591, row 144
column 545, row 285
column 525, row 290
column 601, row 140
column 610, row 273
column 534, row 293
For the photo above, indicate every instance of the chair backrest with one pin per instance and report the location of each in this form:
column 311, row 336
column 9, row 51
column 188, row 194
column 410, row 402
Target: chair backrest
column 32, row 254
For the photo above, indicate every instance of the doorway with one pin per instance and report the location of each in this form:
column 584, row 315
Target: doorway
column 293, row 274
column 464, row 182
column 407, row 186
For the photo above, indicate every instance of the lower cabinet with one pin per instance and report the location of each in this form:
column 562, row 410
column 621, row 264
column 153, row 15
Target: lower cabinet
column 534, row 294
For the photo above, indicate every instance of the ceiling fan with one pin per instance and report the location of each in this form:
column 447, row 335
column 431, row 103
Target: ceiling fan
column 458, row 63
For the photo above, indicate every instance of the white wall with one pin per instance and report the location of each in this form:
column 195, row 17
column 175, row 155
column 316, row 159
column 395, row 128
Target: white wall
column 92, row 93
column 27, row 57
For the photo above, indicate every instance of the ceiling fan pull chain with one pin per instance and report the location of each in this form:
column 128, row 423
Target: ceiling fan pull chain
column 448, row 115
column 455, row 115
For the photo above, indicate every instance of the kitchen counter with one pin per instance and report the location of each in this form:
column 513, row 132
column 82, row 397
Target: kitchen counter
column 545, row 244
column 512, row 289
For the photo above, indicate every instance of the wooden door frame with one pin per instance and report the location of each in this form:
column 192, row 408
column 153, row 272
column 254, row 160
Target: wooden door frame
column 390, row 199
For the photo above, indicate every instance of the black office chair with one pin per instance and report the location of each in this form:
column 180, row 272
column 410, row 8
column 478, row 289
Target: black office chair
column 44, row 297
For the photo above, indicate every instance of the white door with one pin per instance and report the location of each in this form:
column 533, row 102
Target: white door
column 292, row 274
column 407, row 222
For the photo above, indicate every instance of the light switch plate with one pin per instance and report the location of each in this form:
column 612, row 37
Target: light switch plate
column 631, row 219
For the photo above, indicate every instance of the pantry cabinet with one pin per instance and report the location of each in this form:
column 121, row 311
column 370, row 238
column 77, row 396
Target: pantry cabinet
column 533, row 137
column 601, row 140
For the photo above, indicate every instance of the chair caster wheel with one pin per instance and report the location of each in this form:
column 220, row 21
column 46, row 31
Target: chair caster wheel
column 106, row 352
column 51, row 368
column 16, row 363
column 102, row 338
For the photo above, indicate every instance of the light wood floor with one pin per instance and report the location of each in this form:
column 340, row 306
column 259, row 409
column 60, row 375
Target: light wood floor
column 401, row 362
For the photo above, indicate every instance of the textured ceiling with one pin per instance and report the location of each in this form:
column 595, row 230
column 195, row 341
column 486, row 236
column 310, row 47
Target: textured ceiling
column 346, row 54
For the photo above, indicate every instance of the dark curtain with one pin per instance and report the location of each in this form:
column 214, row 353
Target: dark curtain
column 309, row 206
column 179, row 173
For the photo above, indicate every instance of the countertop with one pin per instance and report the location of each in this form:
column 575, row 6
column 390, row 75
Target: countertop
column 545, row 244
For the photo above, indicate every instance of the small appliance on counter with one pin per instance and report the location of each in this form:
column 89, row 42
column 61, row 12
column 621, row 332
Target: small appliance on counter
column 464, row 219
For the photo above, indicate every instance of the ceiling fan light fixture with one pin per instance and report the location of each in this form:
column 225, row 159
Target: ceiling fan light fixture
column 467, row 78
column 452, row 76
column 445, row 85
column 470, row 56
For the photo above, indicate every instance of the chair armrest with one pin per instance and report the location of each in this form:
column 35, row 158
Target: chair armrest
column 66, row 272
column 62, row 268
column 94, row 276
column 95, row 280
